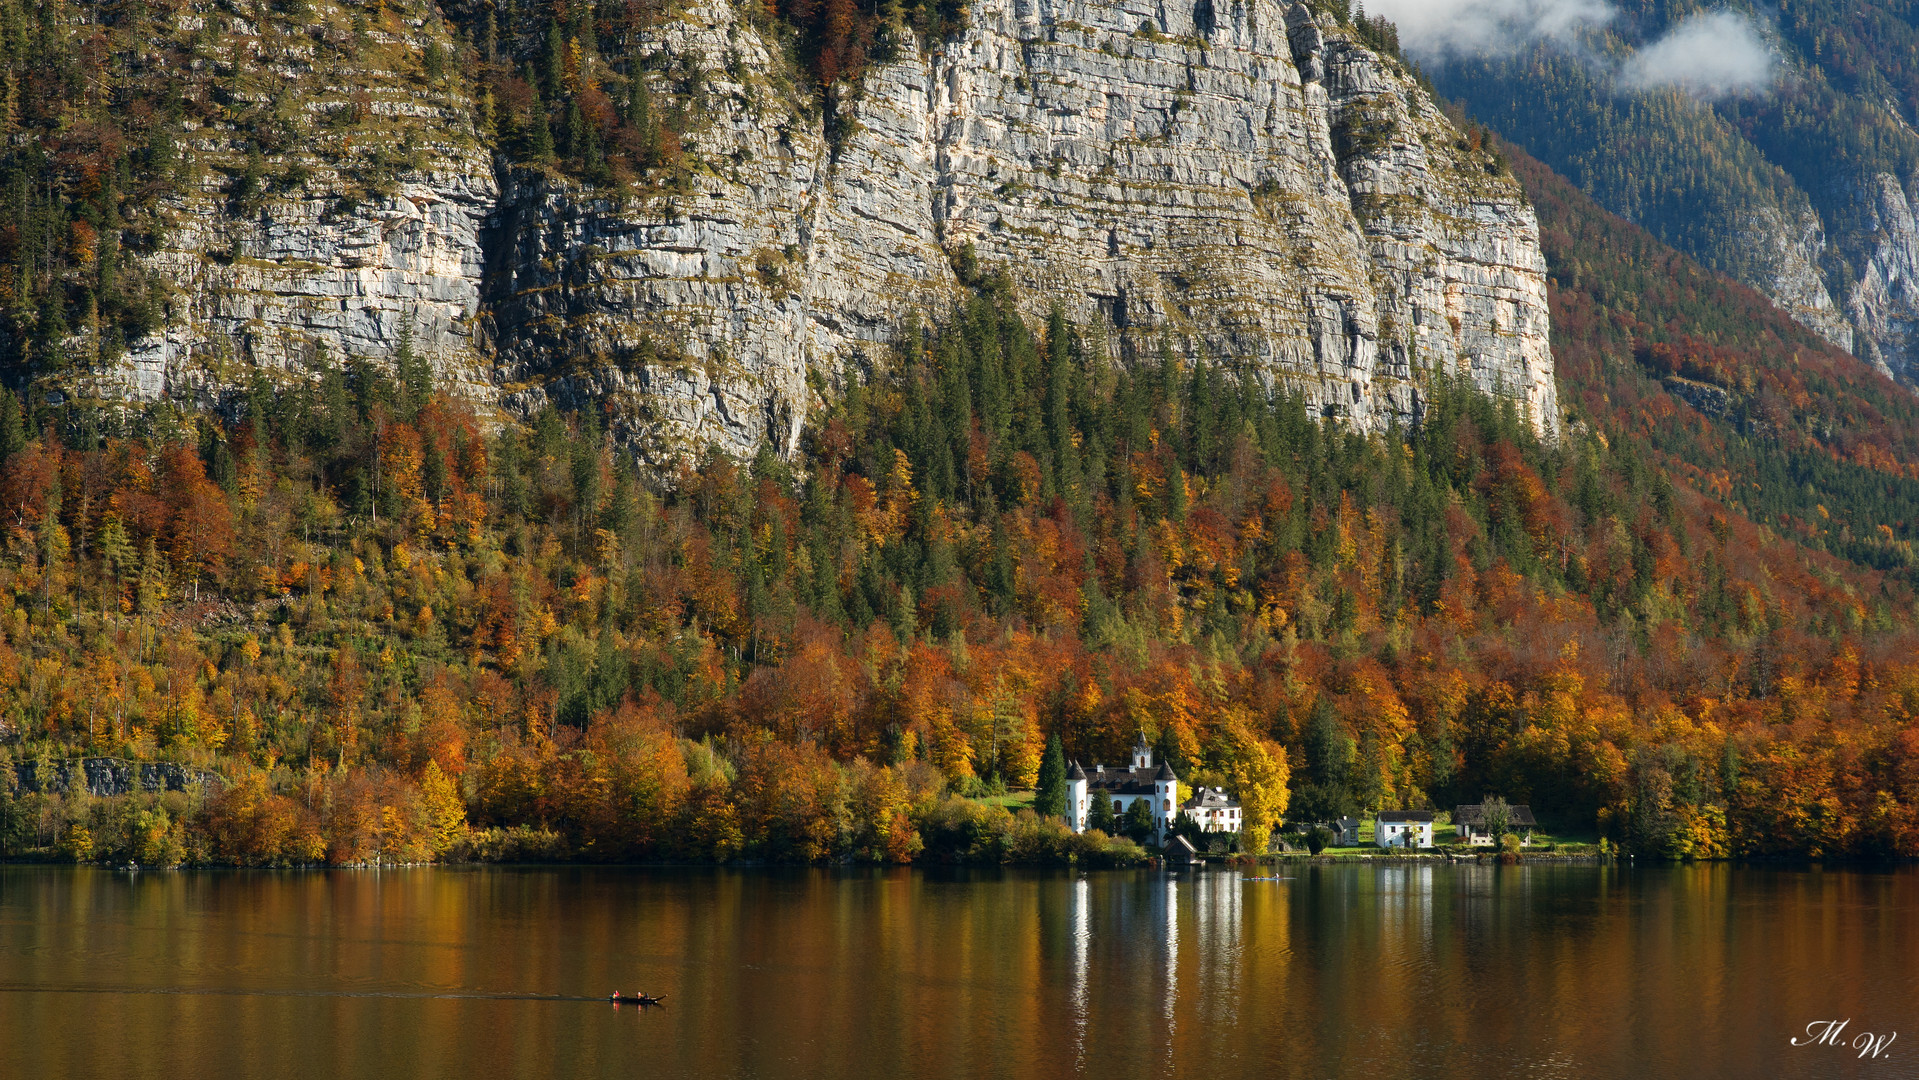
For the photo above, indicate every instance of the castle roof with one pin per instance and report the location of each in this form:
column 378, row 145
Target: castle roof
column 1165, row 772
column 1075, row 772
column 1122, row 781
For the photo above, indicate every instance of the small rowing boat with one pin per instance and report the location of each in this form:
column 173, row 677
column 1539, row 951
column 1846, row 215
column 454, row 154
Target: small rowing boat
column 618, row 998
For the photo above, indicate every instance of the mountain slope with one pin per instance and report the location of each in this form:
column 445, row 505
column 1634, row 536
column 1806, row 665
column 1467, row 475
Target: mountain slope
column 1800, row 188
column 1755, row 409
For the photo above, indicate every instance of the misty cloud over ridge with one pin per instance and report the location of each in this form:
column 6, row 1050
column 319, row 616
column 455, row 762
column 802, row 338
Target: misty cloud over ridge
column 1711, row 55
column 1714, row 55
column 1451, row 28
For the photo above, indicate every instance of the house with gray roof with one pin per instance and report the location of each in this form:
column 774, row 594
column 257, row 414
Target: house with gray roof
column 1474, row 829
column 1213, row 810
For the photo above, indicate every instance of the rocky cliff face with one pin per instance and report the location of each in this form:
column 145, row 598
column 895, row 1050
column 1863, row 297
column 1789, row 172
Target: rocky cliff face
column 1787, row 250
column 104, row 777
column 1884, row 304
column 1228, row 181
column 339, row 210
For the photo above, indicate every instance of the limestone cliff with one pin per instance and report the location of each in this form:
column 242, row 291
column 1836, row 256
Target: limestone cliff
column 1884, row 304
column 340, row 201
column 1229, row 181
column 1787, row 248
column 1178, row 185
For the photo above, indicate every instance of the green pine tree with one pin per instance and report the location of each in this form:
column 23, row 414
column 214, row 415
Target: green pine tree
column 553, row 62
column 540, row 134
column 13, row 428
column 413, row 373
column 1050, row 797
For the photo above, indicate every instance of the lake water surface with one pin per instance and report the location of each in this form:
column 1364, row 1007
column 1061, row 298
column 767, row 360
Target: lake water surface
column 1445, row 971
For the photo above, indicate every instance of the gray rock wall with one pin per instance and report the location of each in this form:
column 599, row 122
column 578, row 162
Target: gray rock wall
column 367, row 220
column 1226, row 180
column 1788, row 252
column 1173, row 184
column 111, row 776
column 1884, row 304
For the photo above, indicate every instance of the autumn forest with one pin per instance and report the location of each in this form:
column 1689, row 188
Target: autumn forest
column 403, row 634
column 375, row 625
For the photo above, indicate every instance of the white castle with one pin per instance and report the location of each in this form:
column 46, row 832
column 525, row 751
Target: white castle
column 1124, row 787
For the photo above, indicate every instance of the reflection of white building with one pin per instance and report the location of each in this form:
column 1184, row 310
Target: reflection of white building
column 1082, row 952
column 1404, row 829
column 1212, row 810
column 1123, row 787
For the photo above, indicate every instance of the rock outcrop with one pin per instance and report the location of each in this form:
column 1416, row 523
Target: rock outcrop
column 1167, row 175
column 361, row 228
column 112, row 776
column 1230, row 181
column 1884, row 304
column 1787, row 250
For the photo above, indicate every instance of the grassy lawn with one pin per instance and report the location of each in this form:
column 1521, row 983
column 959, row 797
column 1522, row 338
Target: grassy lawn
column 1013, row 801
column 1445, row 835
column 1562, row 834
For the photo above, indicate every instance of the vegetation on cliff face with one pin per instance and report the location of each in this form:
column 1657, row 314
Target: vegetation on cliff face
column 582, row 87
column 111, row 111
column 118, row 115
column 403, row 637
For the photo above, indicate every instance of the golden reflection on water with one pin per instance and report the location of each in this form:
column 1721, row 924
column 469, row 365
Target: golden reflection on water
column 1464, row 971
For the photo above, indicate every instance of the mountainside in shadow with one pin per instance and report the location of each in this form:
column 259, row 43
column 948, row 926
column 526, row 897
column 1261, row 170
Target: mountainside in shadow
column 1796, row 179
column 1750, row 407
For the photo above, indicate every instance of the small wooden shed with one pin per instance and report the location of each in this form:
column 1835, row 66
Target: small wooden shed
column 1180, row 852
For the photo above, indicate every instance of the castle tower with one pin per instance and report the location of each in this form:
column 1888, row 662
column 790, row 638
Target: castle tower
column 1165, row 798
column 1078, row 806
column 1142, row 753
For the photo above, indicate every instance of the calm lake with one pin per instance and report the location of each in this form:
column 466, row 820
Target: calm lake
column 1374, row 972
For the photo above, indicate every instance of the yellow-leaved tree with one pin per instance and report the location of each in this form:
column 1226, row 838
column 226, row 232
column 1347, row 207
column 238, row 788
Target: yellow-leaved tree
column 445, row 809
column 1257, row 770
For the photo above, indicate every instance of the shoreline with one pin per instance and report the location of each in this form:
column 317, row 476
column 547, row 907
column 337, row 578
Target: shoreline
column 1250, row 869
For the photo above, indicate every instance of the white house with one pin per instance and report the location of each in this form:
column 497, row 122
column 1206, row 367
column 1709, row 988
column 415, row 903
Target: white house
column 1123, row 787
column 1346, row 832
column 1404, row 829
column 1213, row 810
column 1470, row 820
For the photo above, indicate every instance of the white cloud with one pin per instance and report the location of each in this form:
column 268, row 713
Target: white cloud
column 1712, row 55
column 1488, row 27
column 1715, row 55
